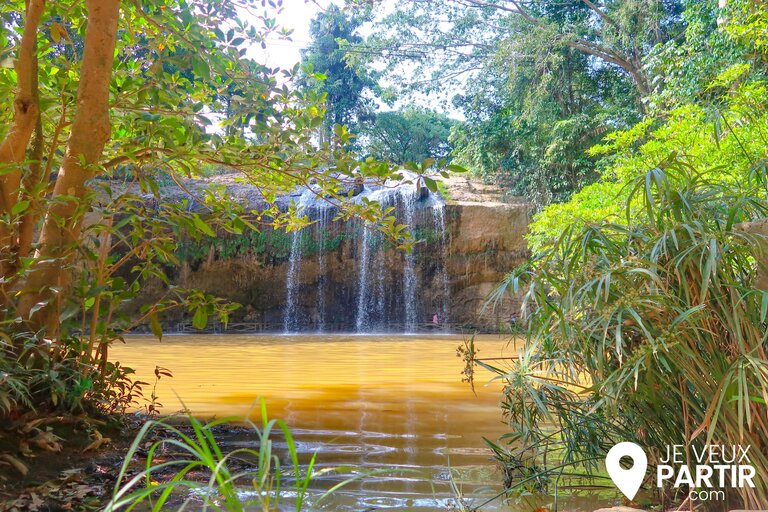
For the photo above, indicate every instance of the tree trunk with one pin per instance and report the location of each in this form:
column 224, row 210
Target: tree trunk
column 32, row 183
column 13, row 149
column 90, row 132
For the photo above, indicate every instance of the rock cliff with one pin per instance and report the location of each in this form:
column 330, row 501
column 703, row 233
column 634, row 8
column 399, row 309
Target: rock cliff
column 343, row 276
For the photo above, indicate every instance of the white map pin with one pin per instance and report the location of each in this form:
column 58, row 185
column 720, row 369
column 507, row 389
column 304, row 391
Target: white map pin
column 627, row 480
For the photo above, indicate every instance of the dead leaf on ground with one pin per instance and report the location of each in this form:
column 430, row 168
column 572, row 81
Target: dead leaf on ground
column 10, row 460
column 98, row 441
column 31, row 425
column 47, row 441
column 81, row 491
column 72, row 475
column 35, row 502
column 24, row 448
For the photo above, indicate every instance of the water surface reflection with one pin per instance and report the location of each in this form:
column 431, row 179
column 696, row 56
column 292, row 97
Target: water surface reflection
column 368, row 401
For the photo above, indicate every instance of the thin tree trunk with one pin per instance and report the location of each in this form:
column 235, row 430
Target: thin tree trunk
column 32, row 181
column 89, row 134
column 13, row 149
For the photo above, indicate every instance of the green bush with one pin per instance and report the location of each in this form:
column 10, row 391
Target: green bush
column 727, row 138
column 650, row 330
column 33, row 378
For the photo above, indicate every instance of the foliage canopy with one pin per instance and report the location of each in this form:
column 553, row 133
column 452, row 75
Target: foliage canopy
column 541, row 81
column 106, row 101
column 644, row 318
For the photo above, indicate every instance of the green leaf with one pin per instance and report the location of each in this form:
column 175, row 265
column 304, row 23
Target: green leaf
column 200, row 319
column 154, row 324
column 202, row 69
column 456, row 168
column 202, row 226
column 19, row 207
column 430, row 183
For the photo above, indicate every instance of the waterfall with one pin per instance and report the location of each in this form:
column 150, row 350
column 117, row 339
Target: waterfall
column 386, row 285
column 381, row 292
column 408, row 196
column 290, row 320
column 372, row 293
column 323, row 217
column 362, row 320
column 438, row 213
column 379, row 267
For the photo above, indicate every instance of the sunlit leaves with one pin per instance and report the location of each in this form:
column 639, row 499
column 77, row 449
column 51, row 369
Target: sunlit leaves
column 725, row 141
column 646, row 329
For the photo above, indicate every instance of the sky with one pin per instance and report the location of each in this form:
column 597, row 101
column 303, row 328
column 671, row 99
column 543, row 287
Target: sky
column 296, row 16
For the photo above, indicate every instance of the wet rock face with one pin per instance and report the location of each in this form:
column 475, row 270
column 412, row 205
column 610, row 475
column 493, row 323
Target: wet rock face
column 345, row 277
column 486, row 242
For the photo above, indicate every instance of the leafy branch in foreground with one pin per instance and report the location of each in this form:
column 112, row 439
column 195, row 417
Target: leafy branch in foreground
column 123, row 99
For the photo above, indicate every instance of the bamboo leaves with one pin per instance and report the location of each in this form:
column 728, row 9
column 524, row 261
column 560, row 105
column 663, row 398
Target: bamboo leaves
column 659, row 318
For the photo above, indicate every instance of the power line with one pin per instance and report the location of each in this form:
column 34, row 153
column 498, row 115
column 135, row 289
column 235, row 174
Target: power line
column 392, row 51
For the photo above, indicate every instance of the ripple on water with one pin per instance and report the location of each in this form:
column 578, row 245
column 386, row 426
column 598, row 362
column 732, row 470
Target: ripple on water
column 386, row 402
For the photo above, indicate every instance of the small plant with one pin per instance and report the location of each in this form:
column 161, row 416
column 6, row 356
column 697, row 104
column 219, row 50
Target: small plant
column 221, row 486
column 153, row 406
column 34, row 378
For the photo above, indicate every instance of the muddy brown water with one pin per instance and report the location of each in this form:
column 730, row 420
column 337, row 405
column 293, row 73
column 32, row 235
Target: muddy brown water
column 372, row 402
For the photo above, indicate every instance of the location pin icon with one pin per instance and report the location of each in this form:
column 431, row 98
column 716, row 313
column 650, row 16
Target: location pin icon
column 627, row 480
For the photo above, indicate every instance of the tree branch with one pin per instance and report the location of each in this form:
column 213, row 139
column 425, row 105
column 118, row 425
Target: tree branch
column 603, row 15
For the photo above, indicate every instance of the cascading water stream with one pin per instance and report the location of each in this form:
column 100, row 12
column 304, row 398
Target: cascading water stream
column 290, row 323
column 290, row 319
column 438, row 213
column 408, row 196
column 381, row 294
column 387, row 290
column 362, row 319
column 379, row 271
column 323, row 218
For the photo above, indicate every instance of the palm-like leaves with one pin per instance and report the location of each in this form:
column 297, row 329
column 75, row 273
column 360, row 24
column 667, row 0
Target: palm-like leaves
column 659, row 318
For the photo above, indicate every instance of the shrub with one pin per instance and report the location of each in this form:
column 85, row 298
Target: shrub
column 650, row 330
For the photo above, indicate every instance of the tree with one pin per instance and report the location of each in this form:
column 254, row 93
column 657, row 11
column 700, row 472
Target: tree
column 347, row 89
column 649, row 278
column 126, row 94
column 529, row 127
column 88, row 135
column 459, row 36
column 409, row 135
column 539, row 82
column 709, row 113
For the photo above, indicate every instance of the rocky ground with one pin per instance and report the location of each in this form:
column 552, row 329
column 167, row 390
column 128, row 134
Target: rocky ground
column 461, row 188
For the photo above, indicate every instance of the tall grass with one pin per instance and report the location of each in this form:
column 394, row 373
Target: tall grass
column 650, row 331
column 224, row 488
